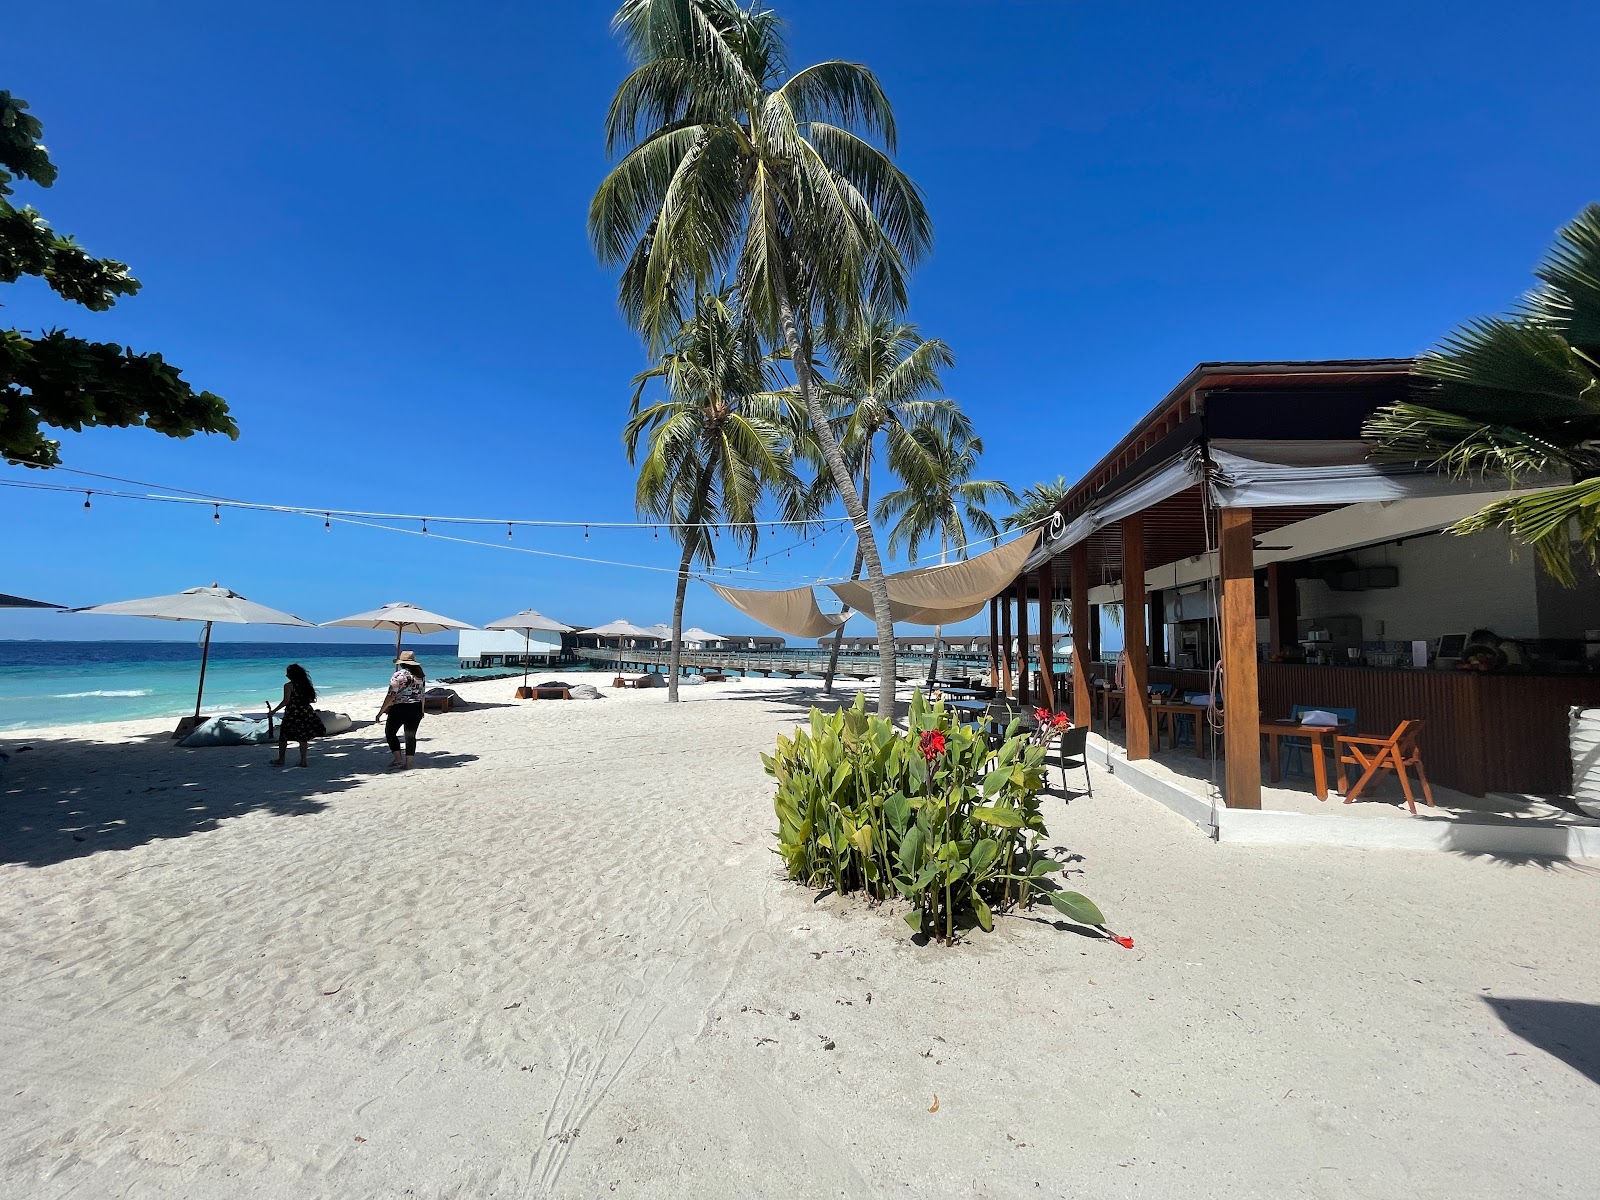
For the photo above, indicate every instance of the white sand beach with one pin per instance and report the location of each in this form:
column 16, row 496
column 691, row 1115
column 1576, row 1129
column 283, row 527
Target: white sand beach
column 559, row 959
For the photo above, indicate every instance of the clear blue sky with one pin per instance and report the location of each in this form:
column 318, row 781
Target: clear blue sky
column 364, row 226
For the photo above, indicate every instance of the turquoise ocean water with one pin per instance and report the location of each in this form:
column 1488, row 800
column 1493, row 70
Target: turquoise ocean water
column 61, row 683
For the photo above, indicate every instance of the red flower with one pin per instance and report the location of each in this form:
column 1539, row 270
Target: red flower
column 1061, row 720
column 1041, row 715
column 1125, row 942
column 932, row 744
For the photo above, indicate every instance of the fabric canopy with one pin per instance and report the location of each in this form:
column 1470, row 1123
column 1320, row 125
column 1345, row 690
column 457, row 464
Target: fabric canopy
column 620, row 628
column 794, row 611
column 400, row 617
column 1176, row 475
column 527, row 620
column 208, row 604
column 945, row 594
column 1268, row 474
column 23, row 602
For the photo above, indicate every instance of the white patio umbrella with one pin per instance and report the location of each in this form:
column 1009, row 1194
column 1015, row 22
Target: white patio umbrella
column 702, row 636
column 527, row 620
column 400, row 617
column 208, row 604
column 621, row 629
column 664, row 632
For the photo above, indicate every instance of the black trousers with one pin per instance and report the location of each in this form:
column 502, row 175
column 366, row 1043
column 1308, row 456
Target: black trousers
column 407, row 717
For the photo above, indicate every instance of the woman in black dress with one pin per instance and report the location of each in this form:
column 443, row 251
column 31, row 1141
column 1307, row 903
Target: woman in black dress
column 300, row 720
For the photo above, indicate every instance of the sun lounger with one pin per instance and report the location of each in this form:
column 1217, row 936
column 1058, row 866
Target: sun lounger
column 439, row 700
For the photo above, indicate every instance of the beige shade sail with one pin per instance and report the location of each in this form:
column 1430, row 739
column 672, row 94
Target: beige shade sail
column 946, row 594
column 794, row 611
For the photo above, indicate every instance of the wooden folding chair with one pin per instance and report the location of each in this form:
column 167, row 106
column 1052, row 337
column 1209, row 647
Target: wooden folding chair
column 1377, row 756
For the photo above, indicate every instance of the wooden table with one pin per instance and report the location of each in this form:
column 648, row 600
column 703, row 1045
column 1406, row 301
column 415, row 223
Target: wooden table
column 1321, row 739
column 1167, row 712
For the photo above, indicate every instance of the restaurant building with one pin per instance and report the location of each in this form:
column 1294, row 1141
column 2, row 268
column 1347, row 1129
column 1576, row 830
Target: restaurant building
column 1259, row 554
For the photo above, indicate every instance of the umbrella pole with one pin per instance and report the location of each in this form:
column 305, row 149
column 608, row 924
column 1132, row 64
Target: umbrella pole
column 527, row 648
column 399, row 632
column 205, row 654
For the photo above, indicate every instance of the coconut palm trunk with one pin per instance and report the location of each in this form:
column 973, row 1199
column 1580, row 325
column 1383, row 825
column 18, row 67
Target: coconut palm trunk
column 855, row 574
column 938, row 630
column 811, row 396
column 691, row 534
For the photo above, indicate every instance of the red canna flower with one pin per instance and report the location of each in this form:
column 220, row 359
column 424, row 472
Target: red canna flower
column 932, row 744
column 1062, row 720
column 1125, row 942
column 1042, row 715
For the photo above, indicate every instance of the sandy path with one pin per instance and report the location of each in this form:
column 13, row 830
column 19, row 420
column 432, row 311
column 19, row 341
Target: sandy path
column 560, row 960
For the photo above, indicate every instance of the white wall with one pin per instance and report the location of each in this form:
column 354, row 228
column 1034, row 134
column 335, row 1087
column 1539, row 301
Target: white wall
column 1448, row 584
column 473, row 643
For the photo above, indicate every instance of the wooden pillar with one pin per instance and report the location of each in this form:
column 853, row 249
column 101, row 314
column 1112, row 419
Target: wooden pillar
column 1024, row 684
column 1082, row 704
column 1005, row 644
column 1137, row 674
column 1241, row 712
column 1283, row 609
column 994, row 641
column 1047, row 635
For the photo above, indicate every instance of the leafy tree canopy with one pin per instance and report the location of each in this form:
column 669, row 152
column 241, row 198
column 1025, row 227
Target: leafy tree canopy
column 1519, row 396
column 64, row 382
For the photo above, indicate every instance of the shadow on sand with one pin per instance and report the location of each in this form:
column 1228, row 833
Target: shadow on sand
column 68, row 798
column 1565, row 1029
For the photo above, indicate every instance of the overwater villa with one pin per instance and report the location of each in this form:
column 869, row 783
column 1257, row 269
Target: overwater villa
column 1259, row 556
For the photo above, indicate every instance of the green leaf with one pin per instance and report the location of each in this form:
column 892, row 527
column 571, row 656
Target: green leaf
column 985, row 917
column 984, row 855
column 914, row 919
column 898, row 809
column 1005, row 818
column 1077, row 907
column 1044, row 866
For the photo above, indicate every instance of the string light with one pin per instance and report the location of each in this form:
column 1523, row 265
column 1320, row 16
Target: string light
column 508, row 530
column 327, row 522
column 424, row 525
column 86, row 496
column 216, row 515
column 586, row 533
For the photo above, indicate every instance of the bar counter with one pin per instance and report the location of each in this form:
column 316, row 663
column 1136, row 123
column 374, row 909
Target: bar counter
column 1484, row 732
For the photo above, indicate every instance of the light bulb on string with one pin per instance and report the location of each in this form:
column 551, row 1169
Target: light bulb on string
column 216, row 515
column 508, row 530
column 586, row 533
column 424, row 526
column 327, row 522
column 86, row 496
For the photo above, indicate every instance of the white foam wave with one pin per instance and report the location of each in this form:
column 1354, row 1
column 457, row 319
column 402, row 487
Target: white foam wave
column 86, row 695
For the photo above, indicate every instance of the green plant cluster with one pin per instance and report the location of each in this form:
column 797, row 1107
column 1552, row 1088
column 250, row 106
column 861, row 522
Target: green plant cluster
column 932, row 814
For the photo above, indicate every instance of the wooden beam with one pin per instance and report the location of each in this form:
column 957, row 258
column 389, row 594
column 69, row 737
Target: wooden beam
column 1283, row 609
column 1005, row 643
column 1241, row 714
column 1082, row 705
column 1047, row 635
column 1024, row 684
column 1137, row 672
column 994, row 641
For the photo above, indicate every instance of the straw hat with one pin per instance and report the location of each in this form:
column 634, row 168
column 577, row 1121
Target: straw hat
column 407, row 658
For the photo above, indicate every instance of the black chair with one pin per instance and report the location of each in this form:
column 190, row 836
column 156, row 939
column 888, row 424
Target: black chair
column 1075, row 753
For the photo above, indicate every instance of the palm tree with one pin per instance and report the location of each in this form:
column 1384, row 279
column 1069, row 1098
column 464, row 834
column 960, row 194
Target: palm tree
column 731, row 166
column 1037, row 503
column 944, row 502
column 713, row 446
column 1520, row 395
column 886, row 377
